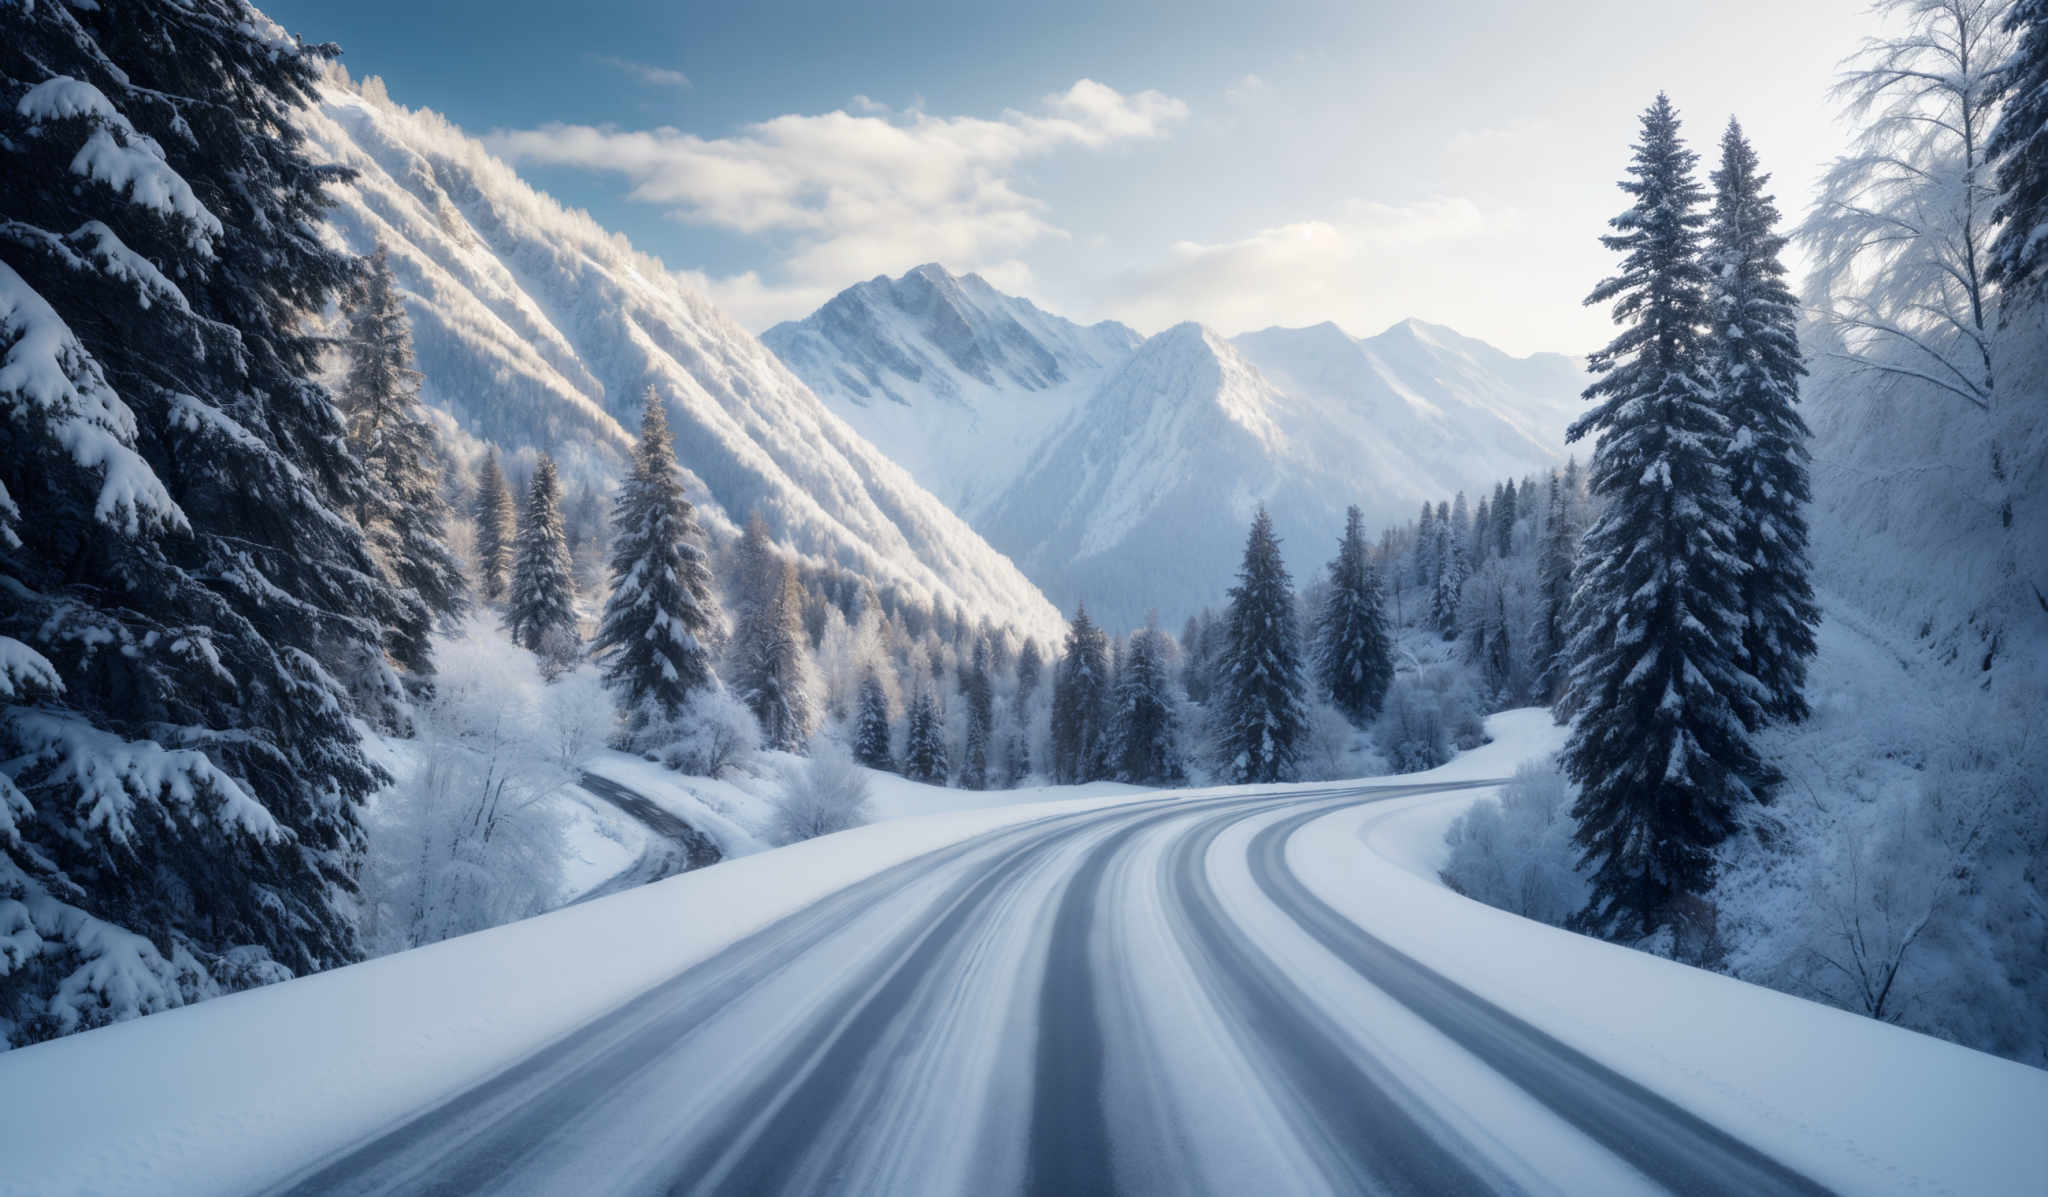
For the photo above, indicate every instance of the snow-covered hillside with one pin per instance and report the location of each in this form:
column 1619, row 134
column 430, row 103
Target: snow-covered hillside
column 538, row 330
column 948, row 375
column 1123, row 472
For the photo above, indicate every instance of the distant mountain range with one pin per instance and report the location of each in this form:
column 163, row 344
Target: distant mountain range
column 1123, row 470
column 537, row 330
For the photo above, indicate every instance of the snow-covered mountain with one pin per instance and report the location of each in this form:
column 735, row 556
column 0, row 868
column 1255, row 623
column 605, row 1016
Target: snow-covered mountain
column 948, row 375
column 1124, row 472
column 538, row 330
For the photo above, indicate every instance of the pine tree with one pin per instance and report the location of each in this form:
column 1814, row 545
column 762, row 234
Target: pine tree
column 1554, row 572
column 1753, row 354
column 2019, row 150
column 1260, row 695
column 1030, row 666
column 1658, row 749
column 1354, row 655
column 401, row 513
column 541, row 610
column 1450, row 580
column 658, row 621
column 1480, row 546
column 978, row 689
column 771, row 670
column 497, row 523
column 1145, row 727
column 1080, row 698
column 1426, row 564
column 871, row 724
column 924, row 747
column 184, row 602
column 1505, row 512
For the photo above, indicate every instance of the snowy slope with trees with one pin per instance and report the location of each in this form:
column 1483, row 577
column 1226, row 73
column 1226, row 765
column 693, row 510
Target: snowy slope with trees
column 538, row 331
column 1121, row 472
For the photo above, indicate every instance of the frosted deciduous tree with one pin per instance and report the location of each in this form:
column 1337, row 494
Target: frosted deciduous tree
column 1353, row 653
column 401, row 512
column 1658, row 747
column 653, row 643
column 184, row 603
column 1261, row 708
column 540, row 610
column 1753, row 357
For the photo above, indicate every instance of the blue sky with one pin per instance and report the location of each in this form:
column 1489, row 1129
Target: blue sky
column 1239, row 164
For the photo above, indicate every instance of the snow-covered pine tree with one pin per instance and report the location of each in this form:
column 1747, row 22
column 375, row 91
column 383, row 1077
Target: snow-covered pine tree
column 1080, row 704
column 1145, row 724
column 1426, row 564
column 924, row 741
column 182, row 596
column 659, row 620
column 1555, row 569
column 1450, row 578
column 1030, row 667
column 1753, row 358
column 497, row 529
column 771, row 671
column 1481, row 544
column 2019, row 150
column 1353, row 653
column 1261, row 710
column 402, row 513
column 977, row 688
column 871, row 724
column 540, row 611
column 1505, row 512
column 1658, row 748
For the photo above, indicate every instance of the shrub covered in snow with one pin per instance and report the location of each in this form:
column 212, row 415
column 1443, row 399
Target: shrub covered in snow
column 827, row 793
column 1427, row 717
column 714, row 734
column 1516, row 852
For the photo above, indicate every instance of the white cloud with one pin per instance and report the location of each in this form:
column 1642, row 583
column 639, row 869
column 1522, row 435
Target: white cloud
column 858, row 195
column 653, row 76
column 1362, row 269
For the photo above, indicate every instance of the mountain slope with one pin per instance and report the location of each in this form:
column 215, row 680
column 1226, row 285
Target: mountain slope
column 539, row 331
column 947, row 375
column 1124, row 473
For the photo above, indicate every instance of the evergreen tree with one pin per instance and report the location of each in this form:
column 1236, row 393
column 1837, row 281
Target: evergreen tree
column 1145, row 728
column 1260, row 701
column 1554, row 573
column 497, row 523
column 659, row 618
column 1753, row 353
column 1354, row 656
column 184, row 603
column 979, row 691
column 756, row 567
column 1080, row 699
column 541, row 610
column 2019, row 150
column 1505, row 512
column 924, row 746
column 1481, row 544
column 401, row 512
column 871, row 724
column 1426, row 564
column 1030, row 666
column 1658, row 748
column 771, row 670
column 1450, row 581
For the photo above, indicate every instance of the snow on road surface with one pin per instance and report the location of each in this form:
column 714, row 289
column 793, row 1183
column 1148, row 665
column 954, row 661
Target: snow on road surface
column 1248, row 989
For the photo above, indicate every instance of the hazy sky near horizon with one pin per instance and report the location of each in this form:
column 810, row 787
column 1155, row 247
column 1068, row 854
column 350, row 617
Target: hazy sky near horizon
column 1242, row 165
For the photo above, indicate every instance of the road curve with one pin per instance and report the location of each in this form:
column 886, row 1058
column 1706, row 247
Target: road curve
column 1140, row 998
column 673, row 845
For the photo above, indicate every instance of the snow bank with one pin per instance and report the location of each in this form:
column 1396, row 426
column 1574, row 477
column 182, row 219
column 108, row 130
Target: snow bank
column 1861, row 1106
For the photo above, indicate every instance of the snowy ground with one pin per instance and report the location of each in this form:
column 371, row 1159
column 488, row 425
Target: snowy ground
column 246, row 1089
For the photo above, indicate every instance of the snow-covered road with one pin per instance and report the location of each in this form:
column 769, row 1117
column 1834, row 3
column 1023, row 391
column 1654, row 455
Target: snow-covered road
column 1230, row 990
column 1139, row 999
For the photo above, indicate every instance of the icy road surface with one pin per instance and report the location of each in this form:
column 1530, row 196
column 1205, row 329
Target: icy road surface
column 1139, row 999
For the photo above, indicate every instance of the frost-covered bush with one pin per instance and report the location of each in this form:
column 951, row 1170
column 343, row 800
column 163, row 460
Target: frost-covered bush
column 468, row 838
column 714, row 734
column 827, row 793
column 1410, row 730
column 1331, row 749
column 1516, row 852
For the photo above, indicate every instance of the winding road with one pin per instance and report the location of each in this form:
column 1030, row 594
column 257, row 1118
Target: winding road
column 1141, row 998
column 673, row 846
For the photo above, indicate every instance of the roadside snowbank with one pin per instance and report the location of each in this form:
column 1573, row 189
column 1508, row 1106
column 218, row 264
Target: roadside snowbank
column 1859, row 1105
